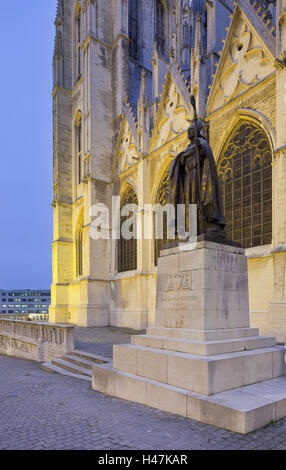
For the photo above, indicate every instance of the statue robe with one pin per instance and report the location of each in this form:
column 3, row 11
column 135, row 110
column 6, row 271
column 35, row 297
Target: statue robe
column 184, row 186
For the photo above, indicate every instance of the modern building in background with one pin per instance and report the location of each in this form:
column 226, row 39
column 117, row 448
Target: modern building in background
column 124, row 71
column 25, row 304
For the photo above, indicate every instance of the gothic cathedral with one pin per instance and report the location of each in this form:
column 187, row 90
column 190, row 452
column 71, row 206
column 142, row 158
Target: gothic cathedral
column 124, row 71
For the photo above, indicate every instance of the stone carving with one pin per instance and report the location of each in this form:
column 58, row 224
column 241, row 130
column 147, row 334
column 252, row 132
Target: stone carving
column 175, row 283
column 128, row 150
column 174, row 118
column 246, row 64
column 178, row 282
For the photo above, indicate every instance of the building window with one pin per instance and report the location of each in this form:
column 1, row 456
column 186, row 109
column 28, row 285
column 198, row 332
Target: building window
column 162, row 199
column 96, row 18
column 127, row 249
column 79, row 248
column 160, row 26
column 78, row 42
column 78, row 145
column 245, row 174
column 133, row 28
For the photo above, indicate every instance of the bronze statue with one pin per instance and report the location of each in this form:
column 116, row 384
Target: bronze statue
column 194, row 180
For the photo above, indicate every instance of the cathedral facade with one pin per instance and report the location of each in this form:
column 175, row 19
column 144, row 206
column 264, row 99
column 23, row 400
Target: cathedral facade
column 124, row 71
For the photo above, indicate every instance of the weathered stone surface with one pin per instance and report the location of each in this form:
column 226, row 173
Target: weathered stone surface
column 241, row 410
column 36, row 341
column 204, row 288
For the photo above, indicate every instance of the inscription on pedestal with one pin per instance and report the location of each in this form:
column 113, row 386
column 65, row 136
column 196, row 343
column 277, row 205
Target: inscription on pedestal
column 176, row 285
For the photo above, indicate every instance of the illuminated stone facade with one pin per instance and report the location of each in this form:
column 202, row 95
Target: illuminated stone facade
column 123, row 75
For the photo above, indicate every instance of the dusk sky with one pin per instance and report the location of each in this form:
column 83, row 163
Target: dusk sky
column 27, row 41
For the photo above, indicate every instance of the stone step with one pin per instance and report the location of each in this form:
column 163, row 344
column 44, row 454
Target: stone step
column 241, row 410
column 204, row 348
column 96, row 358
column 202, row 335
column 80, row 361
column 67, row 365
column 206, row 375
column 49, row 367
column 77, row 364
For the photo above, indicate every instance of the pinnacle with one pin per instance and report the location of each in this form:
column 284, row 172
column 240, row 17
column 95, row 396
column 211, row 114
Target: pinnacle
column 60, row 10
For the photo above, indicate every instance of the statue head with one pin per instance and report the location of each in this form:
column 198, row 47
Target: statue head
column 191, row 130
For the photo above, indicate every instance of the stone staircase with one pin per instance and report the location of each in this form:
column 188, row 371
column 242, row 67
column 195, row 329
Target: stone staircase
column 233, row 379
column 77, row 364
column 201, row 360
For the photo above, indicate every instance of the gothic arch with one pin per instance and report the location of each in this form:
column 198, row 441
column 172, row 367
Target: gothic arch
column 161, row 197
column 77, row 8
column 250, row 115
column 165, row 166
column 78, row 118
column 127, row 186
column 245, row 173
column 127, row 249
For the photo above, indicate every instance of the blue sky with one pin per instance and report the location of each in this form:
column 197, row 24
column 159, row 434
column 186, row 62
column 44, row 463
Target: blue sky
column 26, row 48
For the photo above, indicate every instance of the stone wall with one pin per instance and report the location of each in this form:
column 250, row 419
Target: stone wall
column 39, row 342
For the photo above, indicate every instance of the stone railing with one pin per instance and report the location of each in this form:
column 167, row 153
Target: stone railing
column 36, row 341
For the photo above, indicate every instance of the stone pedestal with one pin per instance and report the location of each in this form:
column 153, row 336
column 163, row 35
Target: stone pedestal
column 204, row 288
column 201, row 360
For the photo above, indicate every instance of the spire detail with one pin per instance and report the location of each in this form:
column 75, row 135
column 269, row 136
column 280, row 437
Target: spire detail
column 60, row 13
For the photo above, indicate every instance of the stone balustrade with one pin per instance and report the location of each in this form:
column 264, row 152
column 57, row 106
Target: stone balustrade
column 35, row 341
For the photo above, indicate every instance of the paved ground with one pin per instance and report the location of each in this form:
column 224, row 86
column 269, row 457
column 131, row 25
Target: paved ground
column 100, row 340
column 42, row 410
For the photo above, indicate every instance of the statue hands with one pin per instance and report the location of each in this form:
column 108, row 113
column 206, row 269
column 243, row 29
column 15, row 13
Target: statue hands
column 190, row 151
column 182, row 160
column 198, row 143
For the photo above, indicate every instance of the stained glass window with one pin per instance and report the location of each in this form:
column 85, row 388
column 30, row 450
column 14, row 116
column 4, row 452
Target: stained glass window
column 159, row 26
column 134, row 29
column 79, row 146
column 127, row 249
column 245, row 174
column 78, row 42
column 162, row 198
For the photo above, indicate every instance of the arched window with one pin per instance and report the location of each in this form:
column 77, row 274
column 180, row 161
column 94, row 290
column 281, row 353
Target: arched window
column 245, row 174
column 160, row 35
column 78, row 145
column 79, row 248
column 78, row 42
column 162, row 198
column 127, row 249
column 133, row 28
column 96, row 18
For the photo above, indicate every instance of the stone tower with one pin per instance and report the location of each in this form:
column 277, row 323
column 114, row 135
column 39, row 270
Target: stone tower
column 111, row 58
